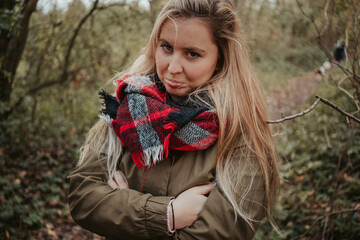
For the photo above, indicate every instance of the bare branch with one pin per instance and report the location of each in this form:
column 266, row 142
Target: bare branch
column 321, row 44
column 41, row 86
column 338, row 84
column 327, row 137
column 342, row 211
column 325, row 216
column 356, row 43
column 327, row 102
column 64, row 75
column 324, row 231
column 118, row 4
column 345, row 70
column 295, row 115
column 326, row 9
column 311, row 19
column 327, row 23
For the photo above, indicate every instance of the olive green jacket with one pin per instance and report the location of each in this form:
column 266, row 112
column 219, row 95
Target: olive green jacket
column 140, row 212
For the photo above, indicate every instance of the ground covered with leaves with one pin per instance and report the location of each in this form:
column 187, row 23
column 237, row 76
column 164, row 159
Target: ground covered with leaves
column 33, row 194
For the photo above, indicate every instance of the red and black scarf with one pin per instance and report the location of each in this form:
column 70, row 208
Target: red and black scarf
column 149, row 125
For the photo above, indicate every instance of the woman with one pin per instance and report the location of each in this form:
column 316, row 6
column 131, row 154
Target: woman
column 192, row 115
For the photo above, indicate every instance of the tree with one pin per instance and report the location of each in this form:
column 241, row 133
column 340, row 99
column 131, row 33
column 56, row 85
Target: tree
column 14, row 27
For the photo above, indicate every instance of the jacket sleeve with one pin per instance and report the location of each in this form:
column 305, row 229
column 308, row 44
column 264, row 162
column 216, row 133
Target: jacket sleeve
column 119, row 214
column 217, row 221
column 217, row 218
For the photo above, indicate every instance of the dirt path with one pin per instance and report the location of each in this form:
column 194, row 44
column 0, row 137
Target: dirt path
column 288, row 99
column 283, row 101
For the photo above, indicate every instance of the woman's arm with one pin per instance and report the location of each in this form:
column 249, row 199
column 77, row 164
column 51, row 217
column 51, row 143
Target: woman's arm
column 217, row 218
column 109, row 208
column 217, row 221
column 213, row 218
column 125, row 213
column 114, row 213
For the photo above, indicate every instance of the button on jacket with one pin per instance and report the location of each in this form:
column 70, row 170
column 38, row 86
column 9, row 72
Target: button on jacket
column 140, row 212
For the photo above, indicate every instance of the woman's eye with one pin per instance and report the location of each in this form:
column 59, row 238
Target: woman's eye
column 166, row 48
column 193, row 54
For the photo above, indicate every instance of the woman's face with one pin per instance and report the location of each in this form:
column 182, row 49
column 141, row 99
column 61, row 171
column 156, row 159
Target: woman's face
column 186, row 56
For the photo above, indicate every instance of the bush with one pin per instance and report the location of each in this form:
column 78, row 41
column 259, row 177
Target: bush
column 320, row 191
column 39, row 147
column 306, row 57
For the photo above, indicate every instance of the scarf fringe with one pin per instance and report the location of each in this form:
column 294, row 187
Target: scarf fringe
column 148, row 157
column 106, row 118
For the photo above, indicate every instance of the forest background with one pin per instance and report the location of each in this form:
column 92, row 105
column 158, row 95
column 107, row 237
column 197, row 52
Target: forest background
column 54, row 61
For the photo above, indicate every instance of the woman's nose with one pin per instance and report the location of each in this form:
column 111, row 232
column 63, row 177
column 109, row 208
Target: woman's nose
column 175, row 65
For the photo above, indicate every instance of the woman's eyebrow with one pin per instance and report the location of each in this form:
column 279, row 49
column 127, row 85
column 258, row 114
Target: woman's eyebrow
column 163, row 41
column 195, row 49
column 190, row 49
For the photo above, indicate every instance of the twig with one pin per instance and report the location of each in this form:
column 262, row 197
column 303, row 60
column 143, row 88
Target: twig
column 327, row 137
column 326, row 26
column 295, row 115
column 347, row 120
column 343, row 89
column 65, row 73
column 312, row 20
column 341, row 211
column 344, row 69
column 72, row 41
column 346, row 92
column 346, row 44
column 356, row 42
column 326, row 216
column 324, row 231
column 121, row 4
column 325, row 10
column 322, row 46
column 327, row 102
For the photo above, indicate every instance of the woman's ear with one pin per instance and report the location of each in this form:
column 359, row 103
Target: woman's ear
column 219, row 63
column 218, row 66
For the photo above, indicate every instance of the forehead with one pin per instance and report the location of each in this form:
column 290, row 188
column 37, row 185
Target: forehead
column 186, row 31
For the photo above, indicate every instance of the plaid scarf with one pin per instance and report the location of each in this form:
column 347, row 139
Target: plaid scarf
column 149, row 125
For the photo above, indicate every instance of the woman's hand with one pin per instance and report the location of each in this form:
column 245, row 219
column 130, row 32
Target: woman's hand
column 188, row 205
column 118, row 181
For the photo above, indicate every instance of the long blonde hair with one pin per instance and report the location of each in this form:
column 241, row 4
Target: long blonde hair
column 237, row 98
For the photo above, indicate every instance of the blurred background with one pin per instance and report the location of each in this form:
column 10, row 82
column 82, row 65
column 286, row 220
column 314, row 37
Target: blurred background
column 55, row 55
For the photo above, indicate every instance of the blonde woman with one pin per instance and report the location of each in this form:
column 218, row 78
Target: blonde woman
column 183, row 151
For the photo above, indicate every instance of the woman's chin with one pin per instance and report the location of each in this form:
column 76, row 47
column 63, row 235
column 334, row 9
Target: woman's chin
column 175, row 98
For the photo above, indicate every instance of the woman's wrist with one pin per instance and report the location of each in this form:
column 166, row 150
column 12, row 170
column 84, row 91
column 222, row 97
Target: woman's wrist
column 170, row 217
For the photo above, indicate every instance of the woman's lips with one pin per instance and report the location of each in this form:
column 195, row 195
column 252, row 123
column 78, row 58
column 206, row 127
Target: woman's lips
column 173, row 83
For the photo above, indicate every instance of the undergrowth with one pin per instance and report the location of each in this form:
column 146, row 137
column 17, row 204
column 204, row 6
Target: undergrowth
column 320, row 188
column 37, row 151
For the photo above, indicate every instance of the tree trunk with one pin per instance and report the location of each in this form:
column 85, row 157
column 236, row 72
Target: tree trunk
column 12, row 44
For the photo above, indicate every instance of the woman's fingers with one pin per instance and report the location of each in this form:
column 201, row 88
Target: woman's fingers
column 112, row 183
column 188, row 205
column 204, row 189
column 118, row 181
